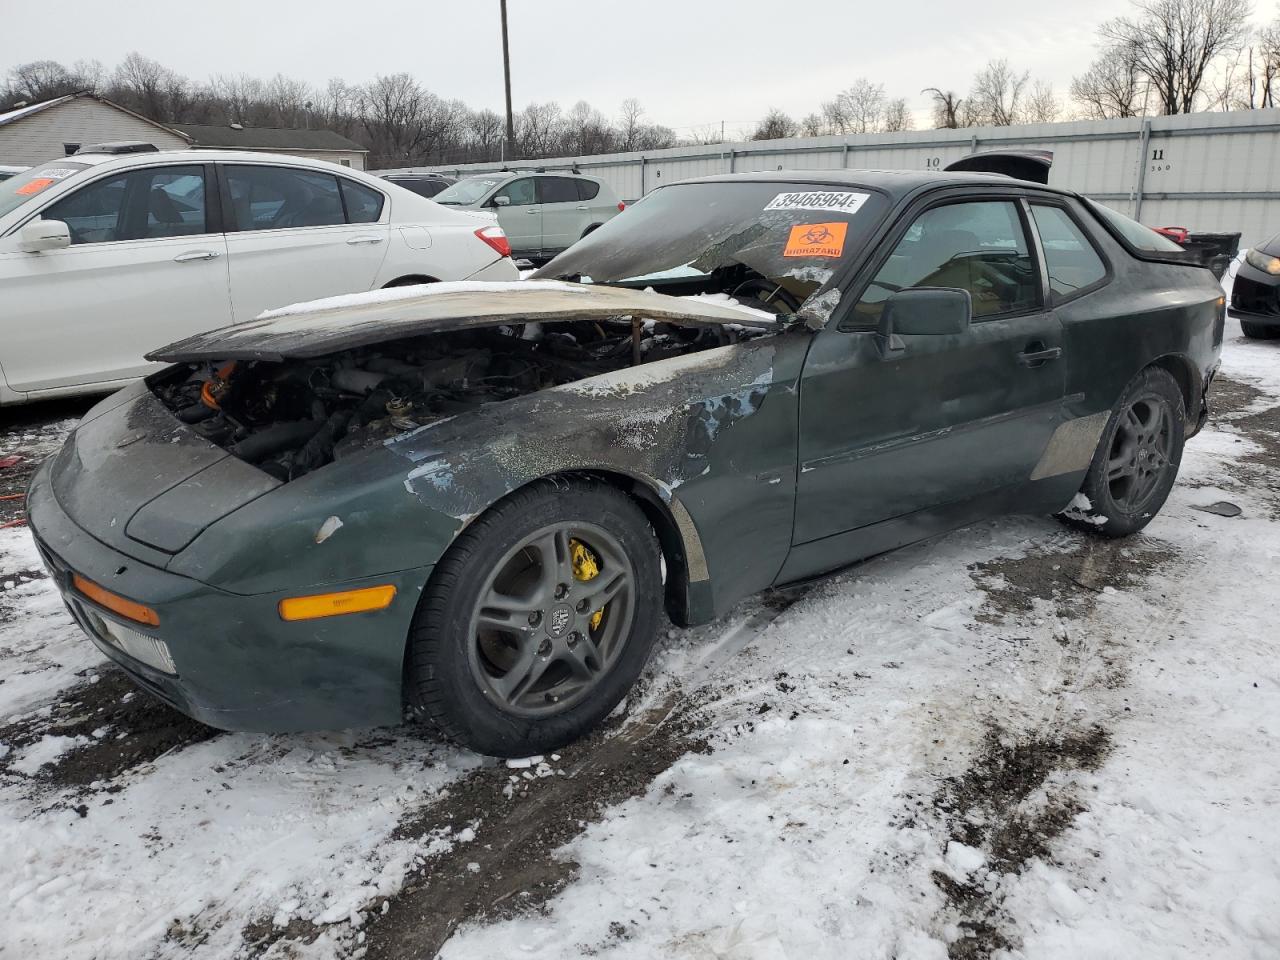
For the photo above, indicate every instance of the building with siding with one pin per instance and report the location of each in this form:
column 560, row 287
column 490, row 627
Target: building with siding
column 37, row 132
column 319, row 144
column 33, row 133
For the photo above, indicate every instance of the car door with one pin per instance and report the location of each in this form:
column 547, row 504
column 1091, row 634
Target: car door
column 146, row 266
column 894, row 429
column 564, row 214
column 520, row 216
column 289, row 237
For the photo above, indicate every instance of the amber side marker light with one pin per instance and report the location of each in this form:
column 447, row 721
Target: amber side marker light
column 129, row 609
column 335, row 604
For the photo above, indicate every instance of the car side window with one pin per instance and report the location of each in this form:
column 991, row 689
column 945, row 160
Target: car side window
column 519, row 192
column 588, row 189
column 978, row 246
column 364, row 204
column 175, row 201
column 151, row 203
column 557, row 190
column 95, row 213
column 1070, row 259
column 277, row 198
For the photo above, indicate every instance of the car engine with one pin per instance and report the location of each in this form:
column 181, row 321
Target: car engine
column 290, row 418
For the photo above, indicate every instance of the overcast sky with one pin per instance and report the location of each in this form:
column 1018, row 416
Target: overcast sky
column 689, row 62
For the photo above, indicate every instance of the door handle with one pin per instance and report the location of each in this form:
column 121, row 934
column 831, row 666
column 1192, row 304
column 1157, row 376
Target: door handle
column 196, row 255
column 354, row 240
column 1037, row 354
column 532, row 210
column 584, row 207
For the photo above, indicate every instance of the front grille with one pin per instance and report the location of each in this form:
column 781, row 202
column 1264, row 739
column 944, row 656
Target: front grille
column 1249, row 296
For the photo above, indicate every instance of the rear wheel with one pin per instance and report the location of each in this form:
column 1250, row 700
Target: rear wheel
column 1259, row 331
column 1137, row 459
column 538, row 619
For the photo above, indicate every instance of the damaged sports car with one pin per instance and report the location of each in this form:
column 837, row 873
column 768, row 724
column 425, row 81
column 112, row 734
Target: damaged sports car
column 476, row 502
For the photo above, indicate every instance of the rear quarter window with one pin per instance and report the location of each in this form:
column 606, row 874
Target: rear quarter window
column 1131, row 233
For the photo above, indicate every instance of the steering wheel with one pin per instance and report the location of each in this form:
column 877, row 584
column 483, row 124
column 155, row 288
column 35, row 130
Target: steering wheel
column 767, row 293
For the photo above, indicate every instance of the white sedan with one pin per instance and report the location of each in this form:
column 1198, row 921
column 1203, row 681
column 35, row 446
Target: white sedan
column 120, row 248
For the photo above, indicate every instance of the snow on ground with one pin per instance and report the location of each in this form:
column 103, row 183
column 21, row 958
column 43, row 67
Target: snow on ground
column 1014, row 741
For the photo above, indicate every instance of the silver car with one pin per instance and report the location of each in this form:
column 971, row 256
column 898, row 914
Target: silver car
column 542, row 214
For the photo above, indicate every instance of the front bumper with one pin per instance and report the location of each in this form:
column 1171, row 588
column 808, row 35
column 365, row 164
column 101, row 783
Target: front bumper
column 238, row 666
column 1255, row 296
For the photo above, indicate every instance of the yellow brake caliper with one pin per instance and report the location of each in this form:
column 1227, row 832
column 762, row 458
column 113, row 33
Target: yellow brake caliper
column 585, row 567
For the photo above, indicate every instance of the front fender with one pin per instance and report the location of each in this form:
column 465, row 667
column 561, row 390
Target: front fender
column 712, row 434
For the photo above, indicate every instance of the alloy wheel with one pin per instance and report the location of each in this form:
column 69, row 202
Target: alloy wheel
column 552, row 618
column 1140, row 452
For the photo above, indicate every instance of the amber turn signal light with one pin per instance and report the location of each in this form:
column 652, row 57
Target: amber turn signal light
column 129, row 609
column 335, row 604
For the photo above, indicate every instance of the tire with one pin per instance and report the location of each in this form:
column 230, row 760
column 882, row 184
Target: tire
column 1258, row 331
column 1137, row 459
column 493, row 609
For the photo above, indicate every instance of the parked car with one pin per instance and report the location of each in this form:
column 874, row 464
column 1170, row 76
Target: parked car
column 423, row 184
column 8, row 170
column 542, row 214
column 464, row 499
column 105, row 253
column 1255, row 293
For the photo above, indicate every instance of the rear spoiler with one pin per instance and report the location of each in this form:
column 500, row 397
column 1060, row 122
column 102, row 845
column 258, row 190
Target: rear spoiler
column 1032, row 165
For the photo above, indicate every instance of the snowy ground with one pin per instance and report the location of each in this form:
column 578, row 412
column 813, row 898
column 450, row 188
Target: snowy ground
column 1012, row 741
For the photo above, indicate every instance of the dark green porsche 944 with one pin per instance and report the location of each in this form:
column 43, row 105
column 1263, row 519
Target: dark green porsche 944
column 474, row 502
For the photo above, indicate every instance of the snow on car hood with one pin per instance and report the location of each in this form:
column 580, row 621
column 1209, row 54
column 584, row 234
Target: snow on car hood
column 322, row 327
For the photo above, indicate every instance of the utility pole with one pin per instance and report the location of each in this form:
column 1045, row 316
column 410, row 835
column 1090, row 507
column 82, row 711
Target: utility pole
column 510, row 151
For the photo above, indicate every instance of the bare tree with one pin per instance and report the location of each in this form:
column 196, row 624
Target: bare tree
column 151, row 88
column 45, row 80
column 1109, row 88
column 998, row 93
column 538, row 129
column 947, row 105
column 1174, row 42
column 1042, row 105
column 587, row 131
column 776, row 125
column 897, row 116
column 860, row 107
column 630, row 124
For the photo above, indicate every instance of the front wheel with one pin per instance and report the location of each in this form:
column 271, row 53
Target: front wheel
column 1259, row 331
column 1136, row 461
column 537, row 620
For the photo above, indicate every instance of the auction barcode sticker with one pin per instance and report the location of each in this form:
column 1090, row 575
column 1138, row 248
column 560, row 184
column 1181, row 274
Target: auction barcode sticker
column 839, row 202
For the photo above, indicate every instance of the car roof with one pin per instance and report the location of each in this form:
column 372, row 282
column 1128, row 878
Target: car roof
column 508, row 174
column 203, row 156
column 895, row 183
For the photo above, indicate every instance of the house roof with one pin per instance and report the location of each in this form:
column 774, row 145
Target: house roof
column 265, row 138
column 19, row 113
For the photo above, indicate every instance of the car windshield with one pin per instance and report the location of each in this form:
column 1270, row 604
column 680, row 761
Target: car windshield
column 24, row 186
column 467, row 191
column 771, row 243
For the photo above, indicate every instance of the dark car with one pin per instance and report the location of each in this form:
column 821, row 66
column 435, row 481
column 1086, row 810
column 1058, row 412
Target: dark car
column 476, row 500
column 1255, row 293
column 423, row 184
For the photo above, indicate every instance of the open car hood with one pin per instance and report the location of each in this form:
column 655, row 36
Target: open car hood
column 323, row 327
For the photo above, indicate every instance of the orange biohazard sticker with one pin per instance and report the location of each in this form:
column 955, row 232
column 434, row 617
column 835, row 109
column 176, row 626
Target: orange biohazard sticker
column 35, row 186
column 816, row 240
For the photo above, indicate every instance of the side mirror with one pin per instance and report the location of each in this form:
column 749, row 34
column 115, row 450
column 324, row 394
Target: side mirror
column 501, row 201
column 40, row 235
column 926, row 311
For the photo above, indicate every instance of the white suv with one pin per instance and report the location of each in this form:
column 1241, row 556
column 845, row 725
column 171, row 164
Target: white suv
column 542, row 214
column 121, row 248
